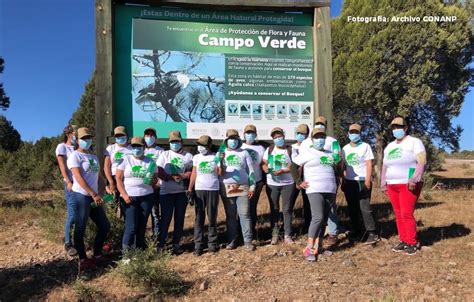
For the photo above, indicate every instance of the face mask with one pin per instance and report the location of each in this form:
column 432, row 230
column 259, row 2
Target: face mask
column 150, row 140
column 398, row 133
column 318, row 143
column 354, row 137
column 279, row 141
column 121, row 140
column 300, row 137
column 233, row 143
column 137, row 151
column 175, row 146
column 73, row 140
column 202, row 150
column 85, row 143
column 250, row 137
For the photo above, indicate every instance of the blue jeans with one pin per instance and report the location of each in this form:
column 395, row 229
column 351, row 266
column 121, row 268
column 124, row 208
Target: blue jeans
column 69, row 216
column 235, row 208
column 136, row 217
column 333, row 219
column 82, row 212
column 172, row 204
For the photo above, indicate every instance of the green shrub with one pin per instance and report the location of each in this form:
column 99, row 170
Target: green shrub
column 86, row 292
column 116, row 229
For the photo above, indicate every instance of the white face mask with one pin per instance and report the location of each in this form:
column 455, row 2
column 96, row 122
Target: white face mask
column 202, row 150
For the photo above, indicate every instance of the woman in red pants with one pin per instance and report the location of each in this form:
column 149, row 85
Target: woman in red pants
column 403, row 165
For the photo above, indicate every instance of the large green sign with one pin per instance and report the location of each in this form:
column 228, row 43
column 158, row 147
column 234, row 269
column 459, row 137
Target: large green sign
column 201, row 73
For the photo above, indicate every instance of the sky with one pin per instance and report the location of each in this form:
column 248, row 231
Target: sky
column 49, row 52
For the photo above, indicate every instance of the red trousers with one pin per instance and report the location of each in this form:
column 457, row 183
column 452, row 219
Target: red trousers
column 403, row 203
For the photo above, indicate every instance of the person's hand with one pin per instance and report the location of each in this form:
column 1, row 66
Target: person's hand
column 250, row 194
column 411, row 186
column 176, row 177
column 368, row 184
column 304, row 185
column 112, row 188
column 127, row 199
column 97, row 199
column 277, row 172
column 69, row 186
column 383, row 188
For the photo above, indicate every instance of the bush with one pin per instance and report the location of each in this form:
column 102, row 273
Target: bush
column 151, row 272
column 86, row 292
column 116, row 229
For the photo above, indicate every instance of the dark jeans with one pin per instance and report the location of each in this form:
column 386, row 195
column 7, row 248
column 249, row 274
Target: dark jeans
column 136, row 217
column 320, row 204
column 286, row 193
column 358, row 202
column 155, row 214
column 172, row 204
column 205, row 202
column 69, row 216
column 82, row 212
column 254, row 203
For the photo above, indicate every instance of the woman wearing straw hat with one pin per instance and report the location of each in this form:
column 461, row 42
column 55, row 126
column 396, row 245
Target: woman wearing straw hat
column 320, row 185
column 135, row 176
column 84, row 166
column 357, row 185
column 174, row 169
column 63, row 151
column 205, row 183
column 402, row 170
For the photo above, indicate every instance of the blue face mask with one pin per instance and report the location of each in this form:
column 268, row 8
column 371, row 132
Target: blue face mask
column 233, row 143
column 250, row 137
column 150, row 140
column 175, row 146
column 137, row 151
column 354, row 137
column 398, row 133
column 279, row 141
column 318, row 143
column 121, row 140
column 85, row 143
column 300, row 137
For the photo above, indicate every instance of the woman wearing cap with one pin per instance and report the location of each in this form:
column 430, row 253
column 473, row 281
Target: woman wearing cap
column 114, row 155
column 84, row 166
column 238, row 187
column 174, row 170
column 63, row 151
column 153, row 151
column 402, row 170
column 302, row 133
column 256, row 151
column 135, row 176
column 357, row 185
column 320, row 185
column 277, row 163
column 205, row 182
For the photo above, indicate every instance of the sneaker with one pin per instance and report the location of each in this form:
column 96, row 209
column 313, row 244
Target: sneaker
column 411, row 249
column 310, row 254
column 177, row 249
column 249, row 246
column 288, row 240
column 231, row 246
column 274, row 240
column 198, row 252
column 400, row 247
column 70, row 250
column 213, row 249
column 86, row 264
column 372, row 239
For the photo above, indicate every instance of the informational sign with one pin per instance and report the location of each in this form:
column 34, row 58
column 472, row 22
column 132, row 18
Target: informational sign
column 206, row 77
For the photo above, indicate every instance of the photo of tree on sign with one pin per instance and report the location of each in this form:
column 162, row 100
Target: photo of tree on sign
column 178, row 86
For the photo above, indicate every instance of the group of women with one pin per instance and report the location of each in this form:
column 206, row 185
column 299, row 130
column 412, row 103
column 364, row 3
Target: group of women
column 147, row 179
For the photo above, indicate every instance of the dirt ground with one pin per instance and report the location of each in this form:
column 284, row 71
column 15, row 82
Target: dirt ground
column 32, row 267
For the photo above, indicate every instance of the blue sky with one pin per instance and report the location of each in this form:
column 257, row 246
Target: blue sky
column 49, row 52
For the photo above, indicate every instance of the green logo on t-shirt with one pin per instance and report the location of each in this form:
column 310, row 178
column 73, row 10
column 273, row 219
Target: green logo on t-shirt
column 118, row 156
column 233, row 160
column 253, row 154
column 150, row 155
column 138, row 171
column 353, row 159
column 93, row 166
column 326, row 161
column 177, row 165
column 205, row 167
column 394, row 154
column 279, row 161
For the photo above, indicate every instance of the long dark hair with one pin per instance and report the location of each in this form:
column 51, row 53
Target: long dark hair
column 67, row 130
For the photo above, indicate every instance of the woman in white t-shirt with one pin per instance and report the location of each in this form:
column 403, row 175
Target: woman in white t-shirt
column 174, row 169
column 404, row 162
column 320, row 185
column 357, row 185
column 63, row 150
column 277, row 163
column 135, row 176
column 205, row 183
column 84, row 166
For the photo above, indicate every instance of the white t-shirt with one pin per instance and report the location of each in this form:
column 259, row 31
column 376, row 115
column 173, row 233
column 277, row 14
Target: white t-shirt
column 65, row 150
column 399, row 158
column 318, row 169
column 206, row 172
column 88, row 165
column 117, row 153
column 134, row 171
column 355, row 160
column 174, row 163
column 238, row 166
column 281, row 159
column 153, row 152
column 256, row 153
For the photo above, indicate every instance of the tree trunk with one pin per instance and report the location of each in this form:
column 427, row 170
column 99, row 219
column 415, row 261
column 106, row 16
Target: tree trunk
column 379, row 156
